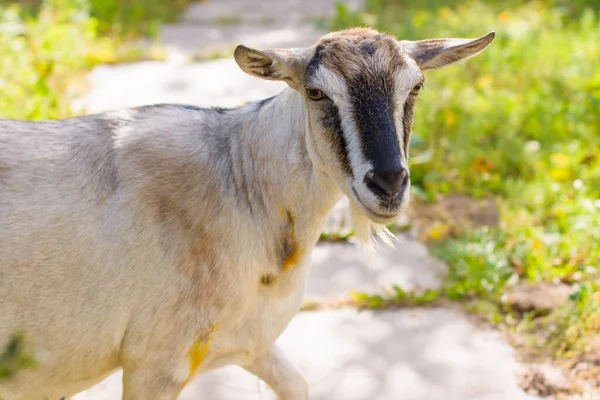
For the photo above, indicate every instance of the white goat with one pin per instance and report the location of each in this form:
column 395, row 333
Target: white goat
column 170, row 240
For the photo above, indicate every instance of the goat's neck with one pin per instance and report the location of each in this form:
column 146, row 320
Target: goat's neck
column 273, row 142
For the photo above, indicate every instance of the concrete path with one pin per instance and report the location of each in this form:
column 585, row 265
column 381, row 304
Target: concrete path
column 389, row 355
column 407, row 354
column 220, row 24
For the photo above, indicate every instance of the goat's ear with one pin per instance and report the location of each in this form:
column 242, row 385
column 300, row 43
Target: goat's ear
column 437, row 53
column 278, row 65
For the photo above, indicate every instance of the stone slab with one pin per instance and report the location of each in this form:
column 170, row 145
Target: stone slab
column 214, row 83
column 409, row 354
column 264, row 12
column 219, row 24
column 337, row 268
column 204, row 41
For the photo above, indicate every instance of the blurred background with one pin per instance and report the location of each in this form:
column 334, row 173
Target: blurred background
column 505, row 154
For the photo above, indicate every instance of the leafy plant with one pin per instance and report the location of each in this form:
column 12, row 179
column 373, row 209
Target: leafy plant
column 44, row 55
column 397, row 297
column 125, row 18
column 15, row 358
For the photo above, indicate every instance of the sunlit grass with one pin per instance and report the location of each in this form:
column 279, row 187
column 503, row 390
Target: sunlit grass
column 14, row 357
column 45, row 55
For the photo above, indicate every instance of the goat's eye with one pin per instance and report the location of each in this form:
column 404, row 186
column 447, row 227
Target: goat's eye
column 315, row 94
column 417, row 89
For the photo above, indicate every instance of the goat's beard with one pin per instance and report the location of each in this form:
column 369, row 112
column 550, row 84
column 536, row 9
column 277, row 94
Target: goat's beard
column 369, row 232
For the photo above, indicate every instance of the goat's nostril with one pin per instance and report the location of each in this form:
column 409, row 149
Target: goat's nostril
column 387, row 183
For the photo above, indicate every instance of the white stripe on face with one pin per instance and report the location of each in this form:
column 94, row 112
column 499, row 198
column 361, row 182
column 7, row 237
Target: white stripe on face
column 336, row 88
column 406, row 79
column 389, row 98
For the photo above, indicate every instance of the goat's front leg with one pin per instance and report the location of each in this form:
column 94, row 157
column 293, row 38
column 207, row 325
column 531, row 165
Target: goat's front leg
column 159, row 371
column 275, row 369
column 151, row 382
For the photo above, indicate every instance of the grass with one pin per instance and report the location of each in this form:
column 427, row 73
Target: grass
column 14, row 358
column 123, row 18
column 46, row 49
column 38, row 59
column 228, row 20
column 135, row 17
column 396, row 297
column 520, row 123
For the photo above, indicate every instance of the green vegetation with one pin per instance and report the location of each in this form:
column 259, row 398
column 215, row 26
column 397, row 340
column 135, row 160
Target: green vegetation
column 14, row 358
column 39, row 58
column 521, row 122
column 397, row 297
column 135, row 17
column 225, row 21
column 46, row 49
column 131, row 18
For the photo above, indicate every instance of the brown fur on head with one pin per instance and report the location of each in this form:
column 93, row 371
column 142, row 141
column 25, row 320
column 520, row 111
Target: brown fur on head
column 360, row 87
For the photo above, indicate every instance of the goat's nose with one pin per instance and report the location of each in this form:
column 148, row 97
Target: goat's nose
column 387, row 183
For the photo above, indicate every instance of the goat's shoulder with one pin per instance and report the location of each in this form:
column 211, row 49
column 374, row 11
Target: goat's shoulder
column 171, row 126
column 168, row 152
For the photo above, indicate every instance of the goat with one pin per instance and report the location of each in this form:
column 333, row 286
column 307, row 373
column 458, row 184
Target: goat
column 170, row 240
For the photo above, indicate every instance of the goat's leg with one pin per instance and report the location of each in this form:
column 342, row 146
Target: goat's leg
column 276, row 370
column 148, row 383
column 154, row 374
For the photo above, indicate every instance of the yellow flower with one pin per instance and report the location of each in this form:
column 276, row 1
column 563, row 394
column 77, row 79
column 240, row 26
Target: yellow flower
column 560, row 174
column 560, row 212
column 484, row 82
column 560, row 159
column 537, row 245
column 449, row 118
column 445, row 12
column 569, row 354
column 504, row 16
column 438, row 231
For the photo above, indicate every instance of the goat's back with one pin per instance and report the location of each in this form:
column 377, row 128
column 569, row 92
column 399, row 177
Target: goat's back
column 51, row 176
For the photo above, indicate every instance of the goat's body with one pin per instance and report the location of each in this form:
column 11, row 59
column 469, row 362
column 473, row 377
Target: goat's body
column 166, row 230
column 171, row 240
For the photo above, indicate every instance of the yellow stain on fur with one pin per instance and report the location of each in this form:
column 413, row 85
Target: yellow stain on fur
column 197, row 353
column 291, row 252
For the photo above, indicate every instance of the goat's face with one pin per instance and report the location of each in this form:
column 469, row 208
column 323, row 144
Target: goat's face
column 360, row 88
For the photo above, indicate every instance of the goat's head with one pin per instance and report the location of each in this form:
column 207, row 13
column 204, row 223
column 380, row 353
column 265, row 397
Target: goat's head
column 359, row 89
